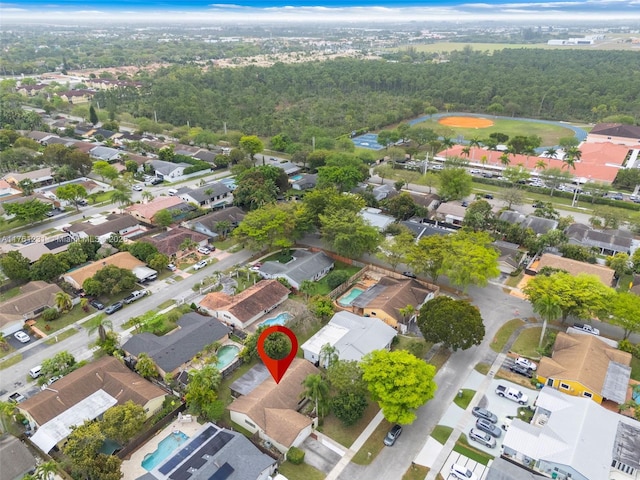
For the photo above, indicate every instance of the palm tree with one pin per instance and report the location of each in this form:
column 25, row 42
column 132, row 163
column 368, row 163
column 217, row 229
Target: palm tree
column 474, row 143
column 6, row 410
column 46, row 470
column 100, row 323
column 447, row 143
column 84, row 304
column 541, row 165
column 572, row 156
column 504, row 159
column 223, row 227
column 147, row 196
column 484, row 160
column 528, row 151
column 63, row 301
column 551, row 153
column 407, row 312
column 548, row 309
column 466, row 151
column 188, row 244
column 317, row 389
column 307, row 287
column 120, row 197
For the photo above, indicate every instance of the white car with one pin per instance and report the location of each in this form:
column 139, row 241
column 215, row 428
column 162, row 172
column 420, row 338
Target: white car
column 172, row 267
column 204, row 250
column 462, row 473
column 526, row 363
column 22, row 337
column 200, row 264
column 137, row 188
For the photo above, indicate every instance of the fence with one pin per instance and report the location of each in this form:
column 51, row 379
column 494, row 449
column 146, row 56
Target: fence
column 232, row 367
column 340, row 289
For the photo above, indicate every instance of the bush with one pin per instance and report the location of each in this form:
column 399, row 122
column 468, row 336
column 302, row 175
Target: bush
column 295, row 455
column 50, row 314
column 337, row 278
column 349, row 407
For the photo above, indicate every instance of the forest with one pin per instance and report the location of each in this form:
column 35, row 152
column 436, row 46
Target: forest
column 333, row 98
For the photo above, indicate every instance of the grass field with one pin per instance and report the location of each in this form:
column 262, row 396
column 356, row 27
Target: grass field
column 464, row 401
column 415, row 472
column 492, row 47
column 441, row 433
column 527, row 342
column 502, row 336
column 373, row 445
column 550, row 134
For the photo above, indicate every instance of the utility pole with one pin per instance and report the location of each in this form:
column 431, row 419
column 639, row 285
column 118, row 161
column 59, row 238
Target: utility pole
column 225, row 127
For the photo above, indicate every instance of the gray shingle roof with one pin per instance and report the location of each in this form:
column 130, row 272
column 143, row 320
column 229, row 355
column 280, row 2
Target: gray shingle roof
column 200, row 194
column 105, row 153
column 165, row 168
column 170, row 351
column 615, row 240
column 304, row 266
column 15, row 458
column 537, row 224
column 230, row 214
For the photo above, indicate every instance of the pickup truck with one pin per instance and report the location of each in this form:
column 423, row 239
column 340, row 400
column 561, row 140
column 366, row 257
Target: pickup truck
column 16, row 397
column 586, row 328
column 135, row 296
column 512, row 394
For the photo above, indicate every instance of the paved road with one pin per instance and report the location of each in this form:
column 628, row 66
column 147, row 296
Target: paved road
column 15, row 377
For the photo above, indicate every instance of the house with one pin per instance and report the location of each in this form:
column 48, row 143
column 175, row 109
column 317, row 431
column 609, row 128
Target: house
column 168, row 171
column 351, row 336
column 379, row 192
column 106, row 154
column 40, row 177
column 305, row 182
column 76, row 96
column 574, row 267
column 7, row 192
column 288, row 167
column 206, row 156
column 608, row 242
column 617, row 133
column 33, row 299
column 103, row 227
column 510, row 256
column 215, row 453
column 53, row 245
column 121, row 259
column 375, row 218
column 572, row 438
column 430, row 201
column 586, row 366
column 85, row 394
column 213, row 195
column 31, row 90
column 305, row 265
column 427, row 228
column 146, row 211
column 539, row 225
column 451, row 213
column 208, row 224
column 169, row 242
column 271, row 409
column 243, row 309
column 16, row 459
column 385, row 299
column 173, row 352
column 99, row 132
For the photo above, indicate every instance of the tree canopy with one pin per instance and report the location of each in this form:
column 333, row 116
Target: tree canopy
column 455, row 323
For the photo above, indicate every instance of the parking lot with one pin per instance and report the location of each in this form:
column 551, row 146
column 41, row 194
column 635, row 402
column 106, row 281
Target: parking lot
column 479, row 470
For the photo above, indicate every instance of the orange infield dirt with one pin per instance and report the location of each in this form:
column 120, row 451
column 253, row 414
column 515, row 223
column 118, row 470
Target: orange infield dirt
column 466, row 122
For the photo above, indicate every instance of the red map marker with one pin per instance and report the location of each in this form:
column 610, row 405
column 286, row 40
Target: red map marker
column 277, row 368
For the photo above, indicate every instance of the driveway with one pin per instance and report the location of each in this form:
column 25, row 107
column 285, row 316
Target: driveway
column 479, row 470
column 319, row 455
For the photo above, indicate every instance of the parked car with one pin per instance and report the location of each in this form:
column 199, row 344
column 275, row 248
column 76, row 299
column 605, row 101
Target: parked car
column 464, row 203
column 204, row 250
column 526, row 363
column 49, row 214
column 137, row 188
column 17, row 397
column 22, row 337
column 82, row 202
column 200, row 264
column 482, row 438
column 519, row 369
column 172, row 267
column 96, row 304
column 512, row 394
column 134, row 296
column 113, row 308
column 484, row 413
column 409, row 274
column 586, row 328
column 488, row 427
column 462, row 473
column 488, row 196
column 392, row 435
column 156, row 181
column 50, row 381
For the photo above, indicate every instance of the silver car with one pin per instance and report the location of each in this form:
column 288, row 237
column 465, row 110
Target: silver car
column 486, row 426
column 482, row 438
column 484, row 413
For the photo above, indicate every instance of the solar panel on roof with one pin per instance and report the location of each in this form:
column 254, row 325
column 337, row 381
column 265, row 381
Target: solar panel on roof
column 188, row 449
column 216, row 443
column 223, row 472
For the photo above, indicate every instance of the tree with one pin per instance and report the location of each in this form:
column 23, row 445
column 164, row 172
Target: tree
column 29, row 211
column 83, row 445
column 549, row 310
column 401, row 206
column 72, row 192
column 142, row 250
column 48, row 267
column 277, row 345
column 123, row 422
column 255, row 189
column 121, row 198
column 46, row 470
column 272, row 225
column 27, row 186
column 470, row 259
column 580, row 296
column 110, row 280
column 512, row 196
column 343, row 178
column 427, row 256
column 93, row 116
column 60, row 364
column 454, row 323
column 76, row 254
column 455, row 183
column 105, row 170
column 202, row 389
column 517, row 175
column 620, row 263
column 554, row 177
column 63, row 301
column 317, row 390
column 158, row 262
column 399, row 382
column 321, row 306
column 99, row 324
column 348, row 407
column 15, row 265
column 145, row 366
column 348, row 234
column 163, row 218
column 251, row 144
column 479, row 216
column 624, row 311
column 394, row 249
column 250, row 350
column 346, row 376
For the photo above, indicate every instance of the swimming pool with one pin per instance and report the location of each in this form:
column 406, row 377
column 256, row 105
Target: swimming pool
column 166, row 446
column 281, row 319
column 348, row 299
column 226, row 354
column 297, row 177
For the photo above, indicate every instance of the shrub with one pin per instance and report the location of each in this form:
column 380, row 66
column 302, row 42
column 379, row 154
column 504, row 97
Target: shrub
column 349, row 407
column 337, row 278
column 50, row 314
column 295, row 455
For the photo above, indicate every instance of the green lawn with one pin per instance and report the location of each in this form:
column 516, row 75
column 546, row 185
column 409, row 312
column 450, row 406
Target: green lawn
column 505, row 332
column 76, row 314
column 482, row 368
column 53, row 339
column 527, row 342
column 9, row 294
column 441, row 433
column 166, row 304
column 332, row 427
column 11, row 361
column 635, row 368
column 414, row 345
column 224, row 393
column 462, row 446
column 624, row 283
column 321, row 287
column 440, row 358
column 464, row 401
column 373, row 445
column 225, row 244
column 300, row 472
column 415, row 472
column 283, row 256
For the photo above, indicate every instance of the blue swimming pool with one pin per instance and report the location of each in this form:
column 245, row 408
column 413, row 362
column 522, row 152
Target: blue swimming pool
column 166, row 446
column 226, row 354
column 348, row 299
column 297, row 177
column 281, row 319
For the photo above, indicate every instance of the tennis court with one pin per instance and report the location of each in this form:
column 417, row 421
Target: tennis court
column 368, row 140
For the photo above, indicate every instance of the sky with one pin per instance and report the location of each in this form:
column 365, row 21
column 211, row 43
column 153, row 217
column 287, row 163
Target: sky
column 317, row 11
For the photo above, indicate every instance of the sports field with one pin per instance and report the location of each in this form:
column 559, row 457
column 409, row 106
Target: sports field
column 482, row 127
